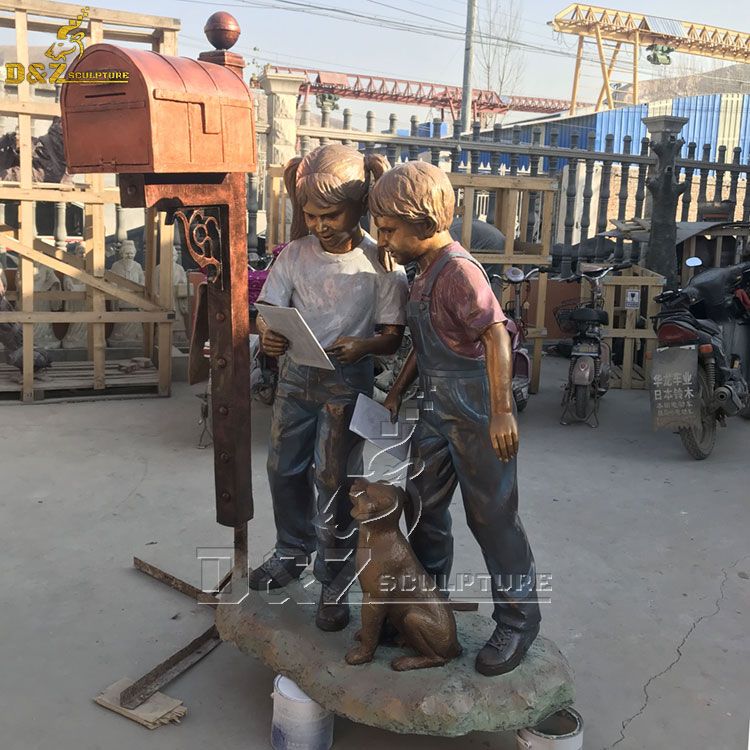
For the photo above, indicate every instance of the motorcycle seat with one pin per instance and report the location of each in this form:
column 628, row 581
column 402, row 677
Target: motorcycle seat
column 709, row 327
column 589, row 315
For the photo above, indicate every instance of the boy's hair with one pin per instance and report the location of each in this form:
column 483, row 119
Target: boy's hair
column 331, row 175
column 416, row 192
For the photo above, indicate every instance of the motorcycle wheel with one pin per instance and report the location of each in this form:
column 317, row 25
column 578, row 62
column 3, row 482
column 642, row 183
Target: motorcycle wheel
column 581, row 398
column 699, row 442
column 745, row 413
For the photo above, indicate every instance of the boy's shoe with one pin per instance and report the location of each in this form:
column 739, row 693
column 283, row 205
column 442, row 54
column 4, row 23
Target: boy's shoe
column 333, row 609
column 504, row 651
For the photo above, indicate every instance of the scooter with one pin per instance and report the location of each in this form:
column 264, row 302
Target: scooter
column 517, row 328
column 591, row 357
column 701, row 367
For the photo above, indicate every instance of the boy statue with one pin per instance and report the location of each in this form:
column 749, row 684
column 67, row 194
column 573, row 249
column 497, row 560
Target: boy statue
column 467, row 433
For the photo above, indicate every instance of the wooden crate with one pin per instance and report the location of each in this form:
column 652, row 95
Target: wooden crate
column 514, row 196
column 76, row 380
column 160, row 34
column 623, row 322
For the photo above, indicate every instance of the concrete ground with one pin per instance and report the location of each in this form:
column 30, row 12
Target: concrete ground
column 647, row 550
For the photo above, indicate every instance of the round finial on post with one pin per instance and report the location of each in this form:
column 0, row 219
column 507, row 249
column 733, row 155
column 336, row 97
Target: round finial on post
column 222, row 30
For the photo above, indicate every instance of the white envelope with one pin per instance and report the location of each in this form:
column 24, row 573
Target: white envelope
column 372, row 421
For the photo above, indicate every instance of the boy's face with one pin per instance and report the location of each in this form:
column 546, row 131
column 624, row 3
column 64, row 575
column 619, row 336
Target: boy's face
column 400, row 239
column 332, row 225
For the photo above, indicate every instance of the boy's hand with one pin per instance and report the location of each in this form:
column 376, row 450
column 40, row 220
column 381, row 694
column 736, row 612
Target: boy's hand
column 504, row 435
column 274, row 344
column 348, row 349
column 393, row 403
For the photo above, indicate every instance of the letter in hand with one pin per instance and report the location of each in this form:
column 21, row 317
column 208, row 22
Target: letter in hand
column 504, row 435
column 347, row 349
column 274, row 344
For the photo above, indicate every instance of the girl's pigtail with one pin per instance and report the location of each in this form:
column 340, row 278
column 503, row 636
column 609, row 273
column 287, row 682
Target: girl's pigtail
column 299, row 229
column 375, row 167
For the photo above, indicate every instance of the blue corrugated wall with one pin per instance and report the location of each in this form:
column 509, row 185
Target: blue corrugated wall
column 703, row 125
column 704, row 114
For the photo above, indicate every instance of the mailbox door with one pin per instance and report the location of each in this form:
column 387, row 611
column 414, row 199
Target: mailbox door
column 107, row 125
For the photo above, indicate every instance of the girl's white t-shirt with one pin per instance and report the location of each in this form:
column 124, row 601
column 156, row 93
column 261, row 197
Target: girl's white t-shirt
column 337, row 294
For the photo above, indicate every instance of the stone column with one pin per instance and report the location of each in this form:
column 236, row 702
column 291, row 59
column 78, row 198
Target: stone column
column 61, row 230
column 660, row 255
column 282, row 92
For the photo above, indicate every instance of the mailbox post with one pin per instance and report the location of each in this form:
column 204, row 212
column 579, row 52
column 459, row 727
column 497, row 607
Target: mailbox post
column 180, row 133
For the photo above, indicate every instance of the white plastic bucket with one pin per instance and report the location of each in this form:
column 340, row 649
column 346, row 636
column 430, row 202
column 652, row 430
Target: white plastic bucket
column 299, row 723
column 561, row 731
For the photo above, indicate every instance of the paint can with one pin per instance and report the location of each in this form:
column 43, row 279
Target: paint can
column 299, row 723
column 563, row 730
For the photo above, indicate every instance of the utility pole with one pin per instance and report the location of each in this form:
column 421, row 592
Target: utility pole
column 466, row 99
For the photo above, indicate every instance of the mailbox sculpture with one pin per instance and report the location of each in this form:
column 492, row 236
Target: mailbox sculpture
column 180, row 134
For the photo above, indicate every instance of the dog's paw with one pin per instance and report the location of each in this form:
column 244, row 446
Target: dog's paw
column 402, row 663
column 358, row 655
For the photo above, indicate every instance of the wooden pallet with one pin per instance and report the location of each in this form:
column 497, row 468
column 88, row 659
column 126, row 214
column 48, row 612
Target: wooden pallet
column 71, row 380
column 623, row 321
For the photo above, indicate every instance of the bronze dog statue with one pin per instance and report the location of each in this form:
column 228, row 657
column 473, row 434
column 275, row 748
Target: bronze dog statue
column 423, row 618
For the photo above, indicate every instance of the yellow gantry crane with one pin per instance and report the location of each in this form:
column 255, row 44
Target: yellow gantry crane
column 664, row 35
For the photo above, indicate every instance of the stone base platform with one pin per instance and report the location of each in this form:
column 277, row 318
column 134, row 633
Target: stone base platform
column 279, row 629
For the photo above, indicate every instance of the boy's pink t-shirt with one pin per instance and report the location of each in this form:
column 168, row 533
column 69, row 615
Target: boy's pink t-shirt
column 463, row 305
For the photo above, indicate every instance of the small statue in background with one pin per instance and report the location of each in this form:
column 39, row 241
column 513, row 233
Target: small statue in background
column 76, row 337
column 11, row 337
column 45, row 280
column 127, row 334
column 179, row 300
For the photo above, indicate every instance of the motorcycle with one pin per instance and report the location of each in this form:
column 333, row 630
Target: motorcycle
column 701, row 367
column 517, row 328
column 590, row 357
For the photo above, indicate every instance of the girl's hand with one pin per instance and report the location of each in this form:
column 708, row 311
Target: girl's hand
column 274, row 344
column 348, row 349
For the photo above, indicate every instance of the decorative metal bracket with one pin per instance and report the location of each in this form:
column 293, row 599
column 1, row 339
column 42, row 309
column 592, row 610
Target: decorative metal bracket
column 203, row 239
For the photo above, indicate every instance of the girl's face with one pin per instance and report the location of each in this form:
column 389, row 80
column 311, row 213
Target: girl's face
column 335, row 226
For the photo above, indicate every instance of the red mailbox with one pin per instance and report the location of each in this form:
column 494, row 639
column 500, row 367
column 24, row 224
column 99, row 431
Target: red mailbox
column 180, row 134
column 154, row 113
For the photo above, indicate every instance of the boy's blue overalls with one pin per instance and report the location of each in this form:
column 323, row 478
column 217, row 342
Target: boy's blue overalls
column 311, row 448
column 451, row 445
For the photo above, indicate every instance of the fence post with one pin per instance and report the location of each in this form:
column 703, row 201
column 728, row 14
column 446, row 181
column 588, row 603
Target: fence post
column 660, row 254
column 391, row 150
column 304, row 121
column 435, row 151
column 622, row 195
column 588, row 193
column 604, row 191
column 456, row 151
column 534, row 214
column 370, row 127
column 282, row 91
column 553, row 165
column 347, row 125
column 733, row 180
column 252, row 213
column 495, row 158
column 570, row 194
column 687, row 196
column 414, row 150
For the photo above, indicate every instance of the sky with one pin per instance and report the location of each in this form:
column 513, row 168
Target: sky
column 361, row 44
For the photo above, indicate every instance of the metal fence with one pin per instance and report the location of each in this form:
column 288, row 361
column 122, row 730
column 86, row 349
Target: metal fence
column 595, row 186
